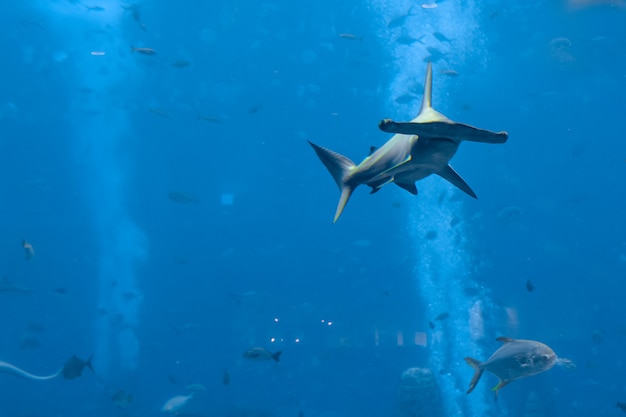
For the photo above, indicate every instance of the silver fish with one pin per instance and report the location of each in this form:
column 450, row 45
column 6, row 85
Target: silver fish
column 175, row 404
column 516, row 359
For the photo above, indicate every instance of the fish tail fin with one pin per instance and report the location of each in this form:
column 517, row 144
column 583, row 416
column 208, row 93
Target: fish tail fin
column 276, row 355
column 88, row 363
column 477, row 374
column 428, row 88
column 132, row 49
column 340, row 168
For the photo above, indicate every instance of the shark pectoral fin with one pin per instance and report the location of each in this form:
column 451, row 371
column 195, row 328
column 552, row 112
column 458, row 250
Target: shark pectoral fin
column 455, row 179
column 409, row 186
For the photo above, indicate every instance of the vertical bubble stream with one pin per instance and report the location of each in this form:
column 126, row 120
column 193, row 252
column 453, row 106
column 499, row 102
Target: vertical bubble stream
column 102, row 129
column 121, row 245
column 443, row 264
column 442, row 272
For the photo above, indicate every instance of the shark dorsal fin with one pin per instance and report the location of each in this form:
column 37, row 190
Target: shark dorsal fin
column 372, row 150
column 428, row 89
column 427, row 114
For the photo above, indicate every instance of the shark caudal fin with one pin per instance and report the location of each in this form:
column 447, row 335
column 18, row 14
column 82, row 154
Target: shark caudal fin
column 477, row 374
column 339, row 167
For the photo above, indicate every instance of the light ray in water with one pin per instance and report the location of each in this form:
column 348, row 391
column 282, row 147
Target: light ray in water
column 99, row 146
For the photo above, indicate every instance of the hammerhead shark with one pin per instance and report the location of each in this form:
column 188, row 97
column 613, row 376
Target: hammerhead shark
column 419, row 148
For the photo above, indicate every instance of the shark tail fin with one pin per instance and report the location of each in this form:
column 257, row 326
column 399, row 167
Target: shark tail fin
column 276, row 355
column 477, row 374
column 339, row 167
column 428, row 88
column 346, row 192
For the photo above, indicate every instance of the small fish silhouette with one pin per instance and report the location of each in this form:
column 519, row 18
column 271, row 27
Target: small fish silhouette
column 29, row 251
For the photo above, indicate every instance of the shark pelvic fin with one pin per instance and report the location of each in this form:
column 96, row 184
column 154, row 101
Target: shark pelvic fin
column 339, row 167
column 450, row 174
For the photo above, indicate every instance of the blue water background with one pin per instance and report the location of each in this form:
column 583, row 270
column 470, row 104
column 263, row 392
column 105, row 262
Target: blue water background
column 91, row 147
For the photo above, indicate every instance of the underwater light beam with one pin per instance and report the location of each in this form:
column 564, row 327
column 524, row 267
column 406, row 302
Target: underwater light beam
column 99, row 150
